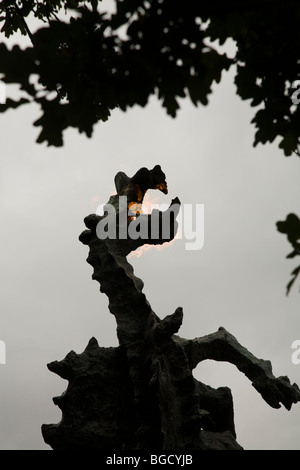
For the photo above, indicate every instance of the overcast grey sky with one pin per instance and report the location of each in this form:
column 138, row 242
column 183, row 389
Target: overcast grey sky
column 49, row 303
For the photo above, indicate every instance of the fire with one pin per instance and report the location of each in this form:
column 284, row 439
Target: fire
column 143, row 205
column 135, row 208
column 151, row 199
column 96, row 198
column 143, row 249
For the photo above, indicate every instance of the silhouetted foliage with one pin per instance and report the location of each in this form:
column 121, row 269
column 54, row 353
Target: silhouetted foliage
column 291, row 227
column 85, row 62
column 94, row 61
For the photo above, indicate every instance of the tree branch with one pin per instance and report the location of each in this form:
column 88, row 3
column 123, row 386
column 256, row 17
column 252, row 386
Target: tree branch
column 20, row 14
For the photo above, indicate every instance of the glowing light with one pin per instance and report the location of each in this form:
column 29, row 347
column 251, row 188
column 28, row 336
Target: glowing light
column 152, row 200
column 96, row 198
column 145, row 248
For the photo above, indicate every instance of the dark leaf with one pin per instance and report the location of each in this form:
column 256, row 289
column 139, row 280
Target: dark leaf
column 171, row 105
column 198, row 93
column 12, row 104
column 293, row 253
column 295, row 274
column 53, row 122
column 291, row 226
column 289, row 143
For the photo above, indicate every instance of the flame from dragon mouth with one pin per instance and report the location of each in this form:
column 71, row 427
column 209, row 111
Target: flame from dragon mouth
column 144, row 248
column 145, row 205
column 96, row 198
column 151, row 199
